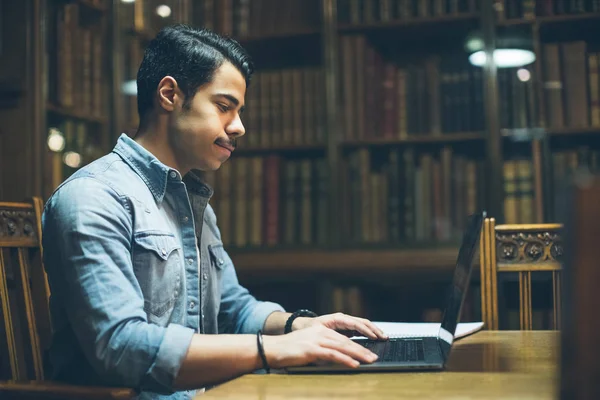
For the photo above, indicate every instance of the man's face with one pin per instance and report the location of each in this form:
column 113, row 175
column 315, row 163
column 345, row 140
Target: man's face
column 203, row 135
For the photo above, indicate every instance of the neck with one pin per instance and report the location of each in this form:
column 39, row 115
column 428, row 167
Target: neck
column 153, row 136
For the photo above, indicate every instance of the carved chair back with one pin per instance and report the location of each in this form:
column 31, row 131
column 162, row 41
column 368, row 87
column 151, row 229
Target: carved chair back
column 24, row 290
column 25, row 316
column 523, row 249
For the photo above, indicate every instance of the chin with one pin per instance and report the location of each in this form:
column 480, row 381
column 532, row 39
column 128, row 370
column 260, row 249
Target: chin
column 214, row 165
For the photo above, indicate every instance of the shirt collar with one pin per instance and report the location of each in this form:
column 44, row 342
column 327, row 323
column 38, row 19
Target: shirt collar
column 154, row 173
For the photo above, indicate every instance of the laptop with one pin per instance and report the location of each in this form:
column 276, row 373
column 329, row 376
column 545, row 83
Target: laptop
column 427, row 353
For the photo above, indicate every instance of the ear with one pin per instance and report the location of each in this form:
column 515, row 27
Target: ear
column 169, row 93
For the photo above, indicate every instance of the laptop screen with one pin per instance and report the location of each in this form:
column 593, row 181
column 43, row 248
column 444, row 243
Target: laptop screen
column 460, row 281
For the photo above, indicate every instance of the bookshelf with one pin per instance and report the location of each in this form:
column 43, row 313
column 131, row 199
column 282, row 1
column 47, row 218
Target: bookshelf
column 83, row 52
column 337, row 39
column 488, row 145
column 560, row 101
column 281, row 200
column 564, row 101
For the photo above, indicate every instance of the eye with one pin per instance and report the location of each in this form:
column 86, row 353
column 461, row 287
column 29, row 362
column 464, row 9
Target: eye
column 223, row 107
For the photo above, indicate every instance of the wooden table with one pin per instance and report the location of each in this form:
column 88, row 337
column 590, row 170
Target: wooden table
column 486, row 365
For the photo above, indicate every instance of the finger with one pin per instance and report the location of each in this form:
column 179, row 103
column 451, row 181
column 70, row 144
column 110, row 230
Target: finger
column 343, row 322
column 380, row 334
column 350, row 348
column 335, row 356
column 356, row 324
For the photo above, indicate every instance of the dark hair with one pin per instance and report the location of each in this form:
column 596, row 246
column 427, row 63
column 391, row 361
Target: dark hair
column 190, row 56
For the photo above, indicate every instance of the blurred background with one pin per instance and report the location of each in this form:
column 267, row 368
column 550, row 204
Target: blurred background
column 373, row 128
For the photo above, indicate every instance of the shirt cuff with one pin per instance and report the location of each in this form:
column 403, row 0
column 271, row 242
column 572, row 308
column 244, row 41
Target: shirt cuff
column 261, row 312
column 170, row 356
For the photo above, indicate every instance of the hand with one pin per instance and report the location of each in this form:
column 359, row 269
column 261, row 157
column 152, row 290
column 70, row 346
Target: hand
column 345, row 324
column 315, row 344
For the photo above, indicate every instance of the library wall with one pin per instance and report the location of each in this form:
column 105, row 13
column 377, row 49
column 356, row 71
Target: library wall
column 354, row 202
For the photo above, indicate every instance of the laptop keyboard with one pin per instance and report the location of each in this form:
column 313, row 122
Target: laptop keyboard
column 396, row 350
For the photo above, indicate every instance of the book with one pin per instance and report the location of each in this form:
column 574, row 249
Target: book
column 423, row 329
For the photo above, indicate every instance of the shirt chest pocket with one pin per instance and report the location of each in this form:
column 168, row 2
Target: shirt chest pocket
column 217, row 256
column 218, row 261
column 157, row 264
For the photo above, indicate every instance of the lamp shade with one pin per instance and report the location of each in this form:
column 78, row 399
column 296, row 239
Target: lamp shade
column 512, row 50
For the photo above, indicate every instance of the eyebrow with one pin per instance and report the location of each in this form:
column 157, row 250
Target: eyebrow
column 232, row 99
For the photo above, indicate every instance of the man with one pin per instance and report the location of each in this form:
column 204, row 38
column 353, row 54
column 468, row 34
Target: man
column 140, row 281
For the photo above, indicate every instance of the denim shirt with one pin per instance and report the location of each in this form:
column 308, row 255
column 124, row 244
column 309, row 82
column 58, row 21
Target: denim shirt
column 136, row 266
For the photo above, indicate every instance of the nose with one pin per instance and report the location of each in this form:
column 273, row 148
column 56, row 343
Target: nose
column 235, row 127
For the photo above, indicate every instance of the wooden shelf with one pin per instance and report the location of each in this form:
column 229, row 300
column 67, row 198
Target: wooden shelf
column 367, row 261
column 412, row 22
column 591, row 130
column 418, row 138
column 550, row 19
column 75, row 114
column 280, row 149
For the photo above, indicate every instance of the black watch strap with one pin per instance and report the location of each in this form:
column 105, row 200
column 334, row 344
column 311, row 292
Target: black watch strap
column 299, row 313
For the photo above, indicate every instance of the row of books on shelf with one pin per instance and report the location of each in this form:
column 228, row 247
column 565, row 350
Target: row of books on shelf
column 269, row 201
column 518, row 191
column 444, row 95
column 245, row 18
column 400, row 196
column 77, row 64
column 571, row 85
column 372, row 11
column 528, row 9
column 383, row 99
column 285, row 107
column 409, row 197
column 518, row 178
column 571, row 89
column 517, row 98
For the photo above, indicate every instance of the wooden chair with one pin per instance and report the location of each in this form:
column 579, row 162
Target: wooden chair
column 522, row 249
column 25, row 322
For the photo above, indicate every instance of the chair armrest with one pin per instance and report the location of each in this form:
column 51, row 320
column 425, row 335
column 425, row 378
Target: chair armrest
column 53, row 390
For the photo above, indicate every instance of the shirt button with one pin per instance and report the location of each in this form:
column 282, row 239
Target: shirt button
column 164, row 252
column 185, row 219
column 192, row 305
column 205, row 276
column 221, row 261
column 173, row 174
column 190, row 261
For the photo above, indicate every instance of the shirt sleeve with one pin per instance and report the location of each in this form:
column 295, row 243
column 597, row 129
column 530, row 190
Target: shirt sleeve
column 239, row 311
column 87, row 230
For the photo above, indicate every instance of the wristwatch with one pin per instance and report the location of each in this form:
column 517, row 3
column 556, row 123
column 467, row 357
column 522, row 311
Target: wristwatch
column 299, row 313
